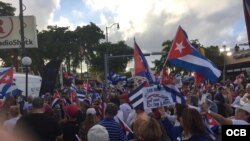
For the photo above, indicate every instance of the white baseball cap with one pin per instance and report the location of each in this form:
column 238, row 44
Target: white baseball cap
column 98, row 133
column 91, row 111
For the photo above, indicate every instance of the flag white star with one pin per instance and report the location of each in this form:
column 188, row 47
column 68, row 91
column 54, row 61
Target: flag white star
column 7, row 78
column 179, row 47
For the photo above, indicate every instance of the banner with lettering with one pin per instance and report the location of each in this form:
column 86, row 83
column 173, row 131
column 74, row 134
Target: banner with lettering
column 156, row 96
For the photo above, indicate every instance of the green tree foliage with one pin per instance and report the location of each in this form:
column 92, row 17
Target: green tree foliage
column 8, row 56
column 117, row 64
column 6, row 9
column 82, row 44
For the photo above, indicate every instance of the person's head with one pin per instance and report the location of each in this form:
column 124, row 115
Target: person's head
column 222, row 90
column 193, row 100
column 242, row 112
column 179, row 109
column 37, row 103
column 98, row 133
column 91, row 111
column 192, row 122
column 14, row 111
column 150, row 130
column 91, row 119
column 241, row 92
column 30, row 98
column 71, row 111
column 9, row 101
column 114, row 98
column 248, row 88
column 111, row 110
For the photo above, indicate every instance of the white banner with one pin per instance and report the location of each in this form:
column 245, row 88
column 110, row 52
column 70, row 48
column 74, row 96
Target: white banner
column 10, row 36
column 155, row 97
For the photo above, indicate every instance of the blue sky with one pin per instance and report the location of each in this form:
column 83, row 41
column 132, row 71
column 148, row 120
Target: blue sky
column 151, row 22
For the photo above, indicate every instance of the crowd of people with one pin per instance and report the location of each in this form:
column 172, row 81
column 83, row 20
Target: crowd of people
column 110, row 116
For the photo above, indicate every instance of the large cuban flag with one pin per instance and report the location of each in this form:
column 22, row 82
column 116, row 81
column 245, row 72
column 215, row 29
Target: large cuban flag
column 246, row 7
column 141, row 65
column 184, row 55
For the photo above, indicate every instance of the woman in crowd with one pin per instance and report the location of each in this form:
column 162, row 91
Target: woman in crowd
column 150, row 131
column 191, row 127
column 89, row 122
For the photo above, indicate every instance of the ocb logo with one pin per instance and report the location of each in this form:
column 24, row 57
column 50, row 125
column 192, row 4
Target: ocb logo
column 236, row 132
column 6, row 26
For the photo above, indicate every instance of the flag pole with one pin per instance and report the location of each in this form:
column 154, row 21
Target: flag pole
column 165, row 63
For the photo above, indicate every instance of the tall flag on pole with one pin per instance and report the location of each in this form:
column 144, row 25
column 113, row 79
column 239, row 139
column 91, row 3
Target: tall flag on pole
column 184, row 55
column 246, row 6
column 141, row 64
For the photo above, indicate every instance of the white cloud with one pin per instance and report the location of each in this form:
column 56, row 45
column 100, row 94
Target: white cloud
column 42, row 9
column 155, row 21
column 77, row 13
column 152, row 21
column 63, row 22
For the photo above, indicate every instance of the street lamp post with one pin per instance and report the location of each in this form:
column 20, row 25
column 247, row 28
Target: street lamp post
column 226, row 52
column 106, row 65
column 117, row 25
column 26, row 61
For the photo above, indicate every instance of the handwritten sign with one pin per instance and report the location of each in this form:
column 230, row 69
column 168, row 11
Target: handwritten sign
column 155, row 97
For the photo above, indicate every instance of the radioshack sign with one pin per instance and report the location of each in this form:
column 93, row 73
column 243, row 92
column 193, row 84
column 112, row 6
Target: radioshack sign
column 10, row 36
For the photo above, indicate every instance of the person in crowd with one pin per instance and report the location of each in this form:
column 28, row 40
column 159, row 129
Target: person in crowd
column 114, row 129
column 27, row 107
column 150, row 131
column 9, row 124
column 191, row 127
column 83, row 106
column 140, row 118
column 89, row 122
column 37, row 126
column 114, row 98
column 4, row 110
column 241, row 117
column 156, row 115
column 193, row 101
column 238, row 97
column 125, row 107
column 70, row 127
column 220, row 101
column 98, row 133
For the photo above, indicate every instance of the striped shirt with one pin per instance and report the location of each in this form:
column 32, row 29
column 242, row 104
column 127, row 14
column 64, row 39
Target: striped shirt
column 114, row 129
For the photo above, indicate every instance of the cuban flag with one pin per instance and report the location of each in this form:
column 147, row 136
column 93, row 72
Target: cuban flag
column 184, row 55
column 80, row 94
column 7, row 89
column 6, row 75
column 136, row 97
column 141, row 65
column 246, row 6
column 176, row 95
column 115, row 78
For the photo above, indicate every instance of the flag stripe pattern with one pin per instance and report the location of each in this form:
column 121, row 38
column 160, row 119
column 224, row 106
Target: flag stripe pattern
column 246, row 7
column 184, row 55
column 175, row 93
column 136, row 97
column 141, row 64
column 198, row 64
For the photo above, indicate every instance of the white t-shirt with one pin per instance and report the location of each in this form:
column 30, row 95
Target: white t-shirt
column 239, row 122
column 126, row 109
column 119, row 115
column 8, row 125
column 236, row 101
